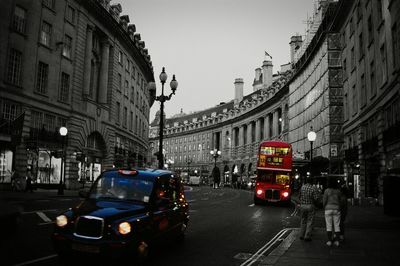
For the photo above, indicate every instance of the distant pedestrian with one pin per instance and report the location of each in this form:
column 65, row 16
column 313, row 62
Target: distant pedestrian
column 343, row 209
column 331, row 202
column 29, row 186
column 308, row 195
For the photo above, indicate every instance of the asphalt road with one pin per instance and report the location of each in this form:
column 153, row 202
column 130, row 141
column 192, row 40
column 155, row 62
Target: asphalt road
column 225, row 228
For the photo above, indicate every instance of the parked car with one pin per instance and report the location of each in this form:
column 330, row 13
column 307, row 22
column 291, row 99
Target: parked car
column 125, row 212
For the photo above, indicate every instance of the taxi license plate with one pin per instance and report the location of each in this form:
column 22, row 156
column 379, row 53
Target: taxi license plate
column 85, row 248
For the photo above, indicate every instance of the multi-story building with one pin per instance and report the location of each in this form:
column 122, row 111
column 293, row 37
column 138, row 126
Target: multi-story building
column 77, row 64
column 371, row 62
column 235, row 128
column 315, row 99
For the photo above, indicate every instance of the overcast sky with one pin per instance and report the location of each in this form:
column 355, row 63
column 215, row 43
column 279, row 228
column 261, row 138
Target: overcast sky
column 209, row 43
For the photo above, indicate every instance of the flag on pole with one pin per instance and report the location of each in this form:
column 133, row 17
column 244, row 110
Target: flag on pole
column 267, row 54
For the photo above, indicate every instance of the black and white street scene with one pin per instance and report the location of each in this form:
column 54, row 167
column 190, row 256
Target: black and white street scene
column 213, row 132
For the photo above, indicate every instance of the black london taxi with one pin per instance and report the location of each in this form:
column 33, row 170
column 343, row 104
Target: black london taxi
column 124, row 213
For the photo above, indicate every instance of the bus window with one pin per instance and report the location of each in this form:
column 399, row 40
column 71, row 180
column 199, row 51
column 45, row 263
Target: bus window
column 282, row 179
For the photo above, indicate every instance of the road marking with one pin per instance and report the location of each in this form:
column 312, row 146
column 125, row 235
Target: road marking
column 260, row 253
column 30, row 212
column 52, row 222
column 44, row 217
column 192, row 210
column 36, row 260
column 251, row 205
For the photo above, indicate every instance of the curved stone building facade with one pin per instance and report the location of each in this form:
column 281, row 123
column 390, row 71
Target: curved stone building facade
column 77, row 64
column 235, row 128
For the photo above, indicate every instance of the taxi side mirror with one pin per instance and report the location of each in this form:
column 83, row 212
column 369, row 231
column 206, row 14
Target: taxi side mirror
column 83, row 193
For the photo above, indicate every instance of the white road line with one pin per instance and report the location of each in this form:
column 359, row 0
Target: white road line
column 44, row 217
column 265, row 248
column 251, row 205
column 47, row 223
column 30, row 212
column 36, row 260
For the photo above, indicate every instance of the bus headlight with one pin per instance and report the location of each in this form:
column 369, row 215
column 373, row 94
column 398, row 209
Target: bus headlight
column 285, row 194
column 124, row 228
column 61, row 221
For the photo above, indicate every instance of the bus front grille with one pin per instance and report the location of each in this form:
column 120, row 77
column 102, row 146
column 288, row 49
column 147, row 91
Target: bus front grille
column 272, row 194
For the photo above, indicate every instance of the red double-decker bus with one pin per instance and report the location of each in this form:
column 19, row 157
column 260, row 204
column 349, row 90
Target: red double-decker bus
column 274, row 173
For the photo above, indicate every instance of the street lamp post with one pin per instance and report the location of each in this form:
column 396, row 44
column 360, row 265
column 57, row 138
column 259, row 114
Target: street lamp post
column 188, row 161
column 162, row 99
column 215, row 154
column 311, row 138
column 63, row 133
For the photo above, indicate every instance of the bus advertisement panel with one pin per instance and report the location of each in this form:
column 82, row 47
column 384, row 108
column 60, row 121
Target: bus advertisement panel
column 274, row 172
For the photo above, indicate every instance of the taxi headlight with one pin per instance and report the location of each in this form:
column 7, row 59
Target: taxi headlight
column 124, row 228
column 61, row 221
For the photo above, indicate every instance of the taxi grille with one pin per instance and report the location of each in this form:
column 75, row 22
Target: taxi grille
column 272, row 194
column 89, row 227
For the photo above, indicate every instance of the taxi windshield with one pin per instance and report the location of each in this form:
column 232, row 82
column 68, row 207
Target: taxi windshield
column 118, row 187
column 273, row 177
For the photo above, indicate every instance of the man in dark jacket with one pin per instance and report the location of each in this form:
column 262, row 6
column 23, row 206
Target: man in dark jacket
column 308, row 195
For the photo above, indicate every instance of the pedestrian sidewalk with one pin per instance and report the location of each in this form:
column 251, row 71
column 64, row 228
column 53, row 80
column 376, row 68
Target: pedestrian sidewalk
column 372, row 238
column 6, row 195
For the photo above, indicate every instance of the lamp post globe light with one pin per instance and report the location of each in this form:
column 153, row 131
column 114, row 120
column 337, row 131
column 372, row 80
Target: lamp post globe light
column 215, row 154
column 311, row 136
column 63, row 133
column 162, row 99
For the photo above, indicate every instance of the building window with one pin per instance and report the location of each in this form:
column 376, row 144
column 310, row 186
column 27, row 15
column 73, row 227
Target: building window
column 9, row 111
column 19, row 19
column 36, row 119
column 395, row 44
column 136, row 124
column 361, row 46
column 355, row 102
column 128, row 64
column 118, row 112
column 14, row 67
column 372, row 79
column 119, row 83
column 137, row 99
column 379, row 13
column 363, row 91
column 370, row 30
column 64, row 88
column 45, row 34
column 42, row 77
column 351, row 25
column 67, row 48
column 131, row 122
column 344, row 68
column 125, row 118
column 384, row 63
column 133, row 71
column 70, row 14
column 346, row 107
column 126, row 88
column 49, row 3
column 353, row 59
column 120, row 57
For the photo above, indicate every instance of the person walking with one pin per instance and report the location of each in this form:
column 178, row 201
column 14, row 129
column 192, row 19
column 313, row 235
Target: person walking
column 308, row 195
column 331, row 201
column 29, row 186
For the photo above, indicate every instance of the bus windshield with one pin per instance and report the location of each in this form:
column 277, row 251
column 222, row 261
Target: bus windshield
column 274, row 177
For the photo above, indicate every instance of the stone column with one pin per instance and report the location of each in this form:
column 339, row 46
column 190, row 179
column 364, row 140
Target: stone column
column 266, row 127
column 258, row 131
column 241, row 129
column 103, row 84
column 275, row 123
column 88, row 59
